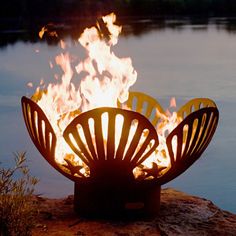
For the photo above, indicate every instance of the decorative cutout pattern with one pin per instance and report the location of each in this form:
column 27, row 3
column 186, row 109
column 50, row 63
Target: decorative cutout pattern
column 117, row 140
column 193, row 135
column 145, row 105
column 87, row 141
column 39, row 128
column 42, row 134
column 194, row 105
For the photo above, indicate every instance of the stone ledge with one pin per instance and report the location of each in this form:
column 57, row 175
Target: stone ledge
column 180, row 214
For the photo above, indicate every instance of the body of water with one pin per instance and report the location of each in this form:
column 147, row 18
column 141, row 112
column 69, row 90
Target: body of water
column 185, row 62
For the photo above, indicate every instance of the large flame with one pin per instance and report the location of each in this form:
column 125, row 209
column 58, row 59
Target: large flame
column 106, row 80
column 108, row 77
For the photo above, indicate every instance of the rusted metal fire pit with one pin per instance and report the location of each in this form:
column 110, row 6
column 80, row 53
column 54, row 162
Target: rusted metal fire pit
column 111, row 188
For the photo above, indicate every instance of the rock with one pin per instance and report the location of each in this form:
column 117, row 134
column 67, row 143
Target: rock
column 180, row 214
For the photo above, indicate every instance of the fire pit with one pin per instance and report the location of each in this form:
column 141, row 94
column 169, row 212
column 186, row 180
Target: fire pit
column 118, row 147
column 112, row 187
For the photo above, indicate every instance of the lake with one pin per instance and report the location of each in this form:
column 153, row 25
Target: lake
column 181, row 60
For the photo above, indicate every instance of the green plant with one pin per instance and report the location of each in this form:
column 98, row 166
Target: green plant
column 17, row 207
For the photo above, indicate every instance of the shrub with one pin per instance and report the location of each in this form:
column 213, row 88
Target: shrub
column 17, row 208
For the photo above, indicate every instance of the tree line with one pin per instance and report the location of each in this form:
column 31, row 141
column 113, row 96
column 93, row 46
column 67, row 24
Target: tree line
column 74, row 8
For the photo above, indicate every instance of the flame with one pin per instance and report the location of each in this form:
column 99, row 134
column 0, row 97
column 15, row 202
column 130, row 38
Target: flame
column 30, row 85
column 63, row 44
column 173, row 102
column 169, row 122
column 50, row 33
column 42, row 31
column 106, row 79
column 160, row 159
column 50, row 64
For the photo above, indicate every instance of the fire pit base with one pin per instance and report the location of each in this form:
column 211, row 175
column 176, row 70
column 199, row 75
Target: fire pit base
column 137, row 199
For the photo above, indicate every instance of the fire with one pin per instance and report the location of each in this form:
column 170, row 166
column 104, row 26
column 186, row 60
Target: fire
column 168, row 123
column 164, row 128
column 108, row 77
column 160, row 159
column 50, row 33
column 106, row 81
column 30, row 85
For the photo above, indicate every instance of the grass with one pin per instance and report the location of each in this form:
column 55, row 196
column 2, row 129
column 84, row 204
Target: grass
column 17, row 209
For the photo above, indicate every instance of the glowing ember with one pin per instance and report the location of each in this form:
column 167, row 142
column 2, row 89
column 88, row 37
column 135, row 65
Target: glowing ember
column 106, row 81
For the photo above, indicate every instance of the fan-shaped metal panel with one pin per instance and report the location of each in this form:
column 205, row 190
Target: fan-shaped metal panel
column 194, row 105
column 96, row 142
column 145, row 105
column 39, row 128
column 41, row 133
column 193, row 135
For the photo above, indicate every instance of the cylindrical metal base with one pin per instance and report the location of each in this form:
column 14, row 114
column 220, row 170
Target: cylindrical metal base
column 134, row 199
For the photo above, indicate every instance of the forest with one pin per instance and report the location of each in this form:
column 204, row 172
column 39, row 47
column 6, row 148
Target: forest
column 28, row 15
column 29, row 9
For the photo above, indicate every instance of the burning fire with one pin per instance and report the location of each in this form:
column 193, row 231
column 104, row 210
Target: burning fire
column 160, row 159
column 106, row 81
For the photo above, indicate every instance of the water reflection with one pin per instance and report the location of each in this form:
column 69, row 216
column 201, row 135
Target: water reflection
column 131, row 26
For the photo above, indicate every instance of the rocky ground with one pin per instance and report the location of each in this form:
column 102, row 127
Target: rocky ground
column 180, row 214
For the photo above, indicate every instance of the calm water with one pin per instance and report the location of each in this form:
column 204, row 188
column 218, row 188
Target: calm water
column 185, row 62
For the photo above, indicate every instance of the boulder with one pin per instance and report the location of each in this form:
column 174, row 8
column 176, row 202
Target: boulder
column 180, row 214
